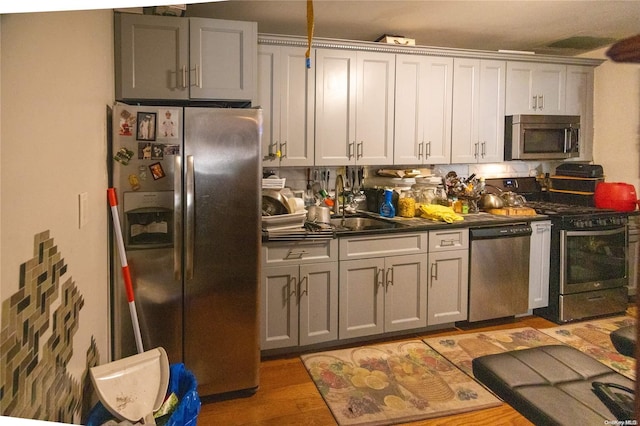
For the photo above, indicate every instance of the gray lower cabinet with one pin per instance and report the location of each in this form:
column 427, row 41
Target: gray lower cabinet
column 448, row 276
column 171, row 58
column 299, row 295
column 382, row 284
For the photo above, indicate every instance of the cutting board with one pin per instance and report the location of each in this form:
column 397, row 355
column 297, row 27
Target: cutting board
column 513, row 211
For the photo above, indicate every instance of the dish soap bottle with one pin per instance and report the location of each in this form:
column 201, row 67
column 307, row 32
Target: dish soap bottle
column 386, row 208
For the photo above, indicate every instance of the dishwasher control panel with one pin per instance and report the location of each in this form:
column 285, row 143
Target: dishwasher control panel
column 501, row 231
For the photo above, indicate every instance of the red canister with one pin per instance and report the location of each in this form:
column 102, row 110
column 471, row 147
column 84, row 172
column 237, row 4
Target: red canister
column 616, row 195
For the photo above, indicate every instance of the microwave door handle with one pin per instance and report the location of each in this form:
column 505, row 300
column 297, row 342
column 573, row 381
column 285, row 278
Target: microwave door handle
column 567, row 140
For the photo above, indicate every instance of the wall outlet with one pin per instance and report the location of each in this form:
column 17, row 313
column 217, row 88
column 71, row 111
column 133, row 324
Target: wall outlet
column 83, row 209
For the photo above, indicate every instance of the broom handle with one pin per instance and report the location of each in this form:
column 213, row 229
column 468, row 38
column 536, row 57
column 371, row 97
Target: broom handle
column 113, row 202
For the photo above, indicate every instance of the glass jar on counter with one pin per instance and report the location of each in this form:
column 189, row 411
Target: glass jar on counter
column 441, row 196
column 407, row 204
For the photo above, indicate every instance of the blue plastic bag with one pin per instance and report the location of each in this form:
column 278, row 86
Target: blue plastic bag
column 183, row 383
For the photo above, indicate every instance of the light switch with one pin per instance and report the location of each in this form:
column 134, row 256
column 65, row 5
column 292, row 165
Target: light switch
column 83, row 209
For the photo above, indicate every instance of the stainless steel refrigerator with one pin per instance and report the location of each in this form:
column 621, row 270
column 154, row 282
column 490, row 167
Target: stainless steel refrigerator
column 188, row 182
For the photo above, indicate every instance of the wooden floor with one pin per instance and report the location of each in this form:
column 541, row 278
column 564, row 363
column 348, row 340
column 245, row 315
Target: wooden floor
column 287, row 396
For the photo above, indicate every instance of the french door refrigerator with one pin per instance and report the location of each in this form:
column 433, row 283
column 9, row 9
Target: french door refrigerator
column 188, row 182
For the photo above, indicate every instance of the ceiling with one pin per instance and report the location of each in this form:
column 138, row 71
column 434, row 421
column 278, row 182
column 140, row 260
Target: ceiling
column 552, row 27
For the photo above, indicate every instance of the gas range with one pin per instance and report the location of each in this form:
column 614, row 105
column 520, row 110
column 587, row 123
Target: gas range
column 563, row 216
column 569, row 216
column 587, row 254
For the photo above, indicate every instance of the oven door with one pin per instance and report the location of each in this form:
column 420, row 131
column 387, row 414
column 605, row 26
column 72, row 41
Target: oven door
column 592, row 260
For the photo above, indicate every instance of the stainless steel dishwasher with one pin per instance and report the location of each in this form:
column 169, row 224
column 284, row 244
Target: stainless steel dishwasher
column 499, row 271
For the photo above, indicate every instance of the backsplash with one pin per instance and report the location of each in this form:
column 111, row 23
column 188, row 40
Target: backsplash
column 35, row 383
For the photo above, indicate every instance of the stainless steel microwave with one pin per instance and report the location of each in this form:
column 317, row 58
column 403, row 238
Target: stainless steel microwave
column 541, row 137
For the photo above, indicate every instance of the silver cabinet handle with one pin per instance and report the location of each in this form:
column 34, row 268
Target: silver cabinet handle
column 306, row 286
column 197, row 81
column 295, row 254
column 434, row 272
column 484, row 149
column 271, row 156
column 541, row 98
column 177, row 218
column 420, row 149
column 428, row 149
column 535, row 102
column 360, row 150
column 350, row 150
column 190, row 213
column 293, row 286
column 184, row 77
column 476, row 150
column 283, row 150
column 379, row 278
column 388, row 281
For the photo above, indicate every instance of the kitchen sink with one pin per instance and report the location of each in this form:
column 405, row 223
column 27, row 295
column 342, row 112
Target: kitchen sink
column 359, row 223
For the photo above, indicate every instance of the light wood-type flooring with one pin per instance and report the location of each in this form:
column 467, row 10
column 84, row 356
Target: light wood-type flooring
column 287, row 396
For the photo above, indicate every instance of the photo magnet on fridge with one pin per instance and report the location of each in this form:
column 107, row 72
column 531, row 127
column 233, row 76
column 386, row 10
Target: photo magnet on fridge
column 126, row 123
column 146, row 129
column 157, row 151
column 169, row 123
column 144, row 151
column 157, row 171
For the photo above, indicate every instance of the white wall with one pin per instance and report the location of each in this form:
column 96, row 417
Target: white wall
column 617, row 120
column 56, row 79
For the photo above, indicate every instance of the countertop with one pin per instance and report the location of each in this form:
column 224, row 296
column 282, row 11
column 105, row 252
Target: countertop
column 416, row 224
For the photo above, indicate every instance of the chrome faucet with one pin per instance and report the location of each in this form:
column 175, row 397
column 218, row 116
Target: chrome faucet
column 336, row 206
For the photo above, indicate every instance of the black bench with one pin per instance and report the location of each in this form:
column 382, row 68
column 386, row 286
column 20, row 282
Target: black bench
column 550, row 385
column 624, row 340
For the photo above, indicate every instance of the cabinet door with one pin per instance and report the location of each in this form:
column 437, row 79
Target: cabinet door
column 335, row 107
column 222, row 59
column 491, row 111
column 279, row 309
column 448, row 286
column 286, row 95
column 423, row 110
column 549, row 87
column 375, row 96
column 535, row 88
column 318, row 303
column 361, row 298
column 268, row 99
column 465, row 146
column 297, row 86
column 539, row 264
column 478, row 111
column 579, row 101
column 405, row 288
column 151, row 56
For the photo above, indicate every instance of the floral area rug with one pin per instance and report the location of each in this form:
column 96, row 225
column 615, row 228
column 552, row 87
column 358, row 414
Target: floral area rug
column 461, row 349
column 393, row 383
column 592, row 338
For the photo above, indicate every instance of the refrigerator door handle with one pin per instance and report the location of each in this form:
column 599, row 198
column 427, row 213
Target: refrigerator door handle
column 177, row 219
column 190, row 213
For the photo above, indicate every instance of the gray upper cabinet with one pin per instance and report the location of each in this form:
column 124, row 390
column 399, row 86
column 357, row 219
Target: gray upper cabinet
column 169, row 58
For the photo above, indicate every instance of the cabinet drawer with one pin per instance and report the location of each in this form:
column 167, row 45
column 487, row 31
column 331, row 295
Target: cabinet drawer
column 387, row 245
column 299, row 252
column 449, row 239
